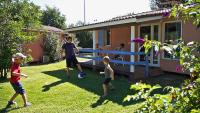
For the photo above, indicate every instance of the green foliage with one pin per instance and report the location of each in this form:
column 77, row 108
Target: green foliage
column 143, row 91
column 16, row 16
column 51, row 46
column 84, row 37
column 28, row 59
column 188, row 11
column 185, row 99
column 53, row 17
column 178, row 100
column 157, row 4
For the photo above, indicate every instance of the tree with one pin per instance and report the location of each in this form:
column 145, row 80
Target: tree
column 84, row 37
column 53, row 17
column 159, row 4
column 15, row 16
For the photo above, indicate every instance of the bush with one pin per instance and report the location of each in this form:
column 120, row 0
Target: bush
column 185, row 99
column 51, row 46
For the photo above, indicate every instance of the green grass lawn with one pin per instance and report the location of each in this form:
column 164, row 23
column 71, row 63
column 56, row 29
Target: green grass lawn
column 49, row 91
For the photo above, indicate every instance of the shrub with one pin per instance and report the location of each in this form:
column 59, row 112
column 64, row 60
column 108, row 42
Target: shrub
column 51, row 46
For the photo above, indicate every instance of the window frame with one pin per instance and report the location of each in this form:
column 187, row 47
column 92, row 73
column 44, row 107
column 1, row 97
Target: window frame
column 163, row 36
column 106, row 36
column 152, row 35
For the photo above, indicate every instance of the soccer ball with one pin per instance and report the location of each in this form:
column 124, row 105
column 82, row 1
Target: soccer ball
column 81, row 75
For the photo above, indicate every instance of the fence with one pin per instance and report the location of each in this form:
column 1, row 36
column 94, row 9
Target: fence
column 97, row 58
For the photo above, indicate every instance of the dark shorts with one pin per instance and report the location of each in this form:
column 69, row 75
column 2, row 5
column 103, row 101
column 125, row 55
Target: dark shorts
column 18, row 88
column 72, row 61
column 106, row 81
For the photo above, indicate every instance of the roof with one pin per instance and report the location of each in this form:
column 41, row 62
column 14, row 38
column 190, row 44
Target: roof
column 50, row 28
column 141, row 15
column 130, row 18
column 46, row 29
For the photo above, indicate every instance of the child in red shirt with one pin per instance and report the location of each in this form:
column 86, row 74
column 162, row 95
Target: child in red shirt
column 15, row 80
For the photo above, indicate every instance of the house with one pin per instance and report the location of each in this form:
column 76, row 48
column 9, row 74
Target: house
column 37, row 45
column 156, row 25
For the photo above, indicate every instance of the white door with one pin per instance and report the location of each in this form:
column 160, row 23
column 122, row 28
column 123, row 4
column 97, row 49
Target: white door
column 153, row 33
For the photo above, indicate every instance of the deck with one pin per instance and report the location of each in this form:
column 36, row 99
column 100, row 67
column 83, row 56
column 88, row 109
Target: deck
column 120, row 69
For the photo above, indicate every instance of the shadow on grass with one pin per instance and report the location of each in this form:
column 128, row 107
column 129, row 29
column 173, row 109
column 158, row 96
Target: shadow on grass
column 165, row 79
column 47, row 87
column 99, row 102
column 93, row 83
column 6, row 110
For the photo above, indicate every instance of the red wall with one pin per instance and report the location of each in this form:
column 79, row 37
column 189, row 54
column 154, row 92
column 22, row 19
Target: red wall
column 119, row 34
column 122, row 34
column 36, row 47
column 189, row 33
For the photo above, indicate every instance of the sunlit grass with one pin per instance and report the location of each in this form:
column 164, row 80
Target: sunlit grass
column 50, row 91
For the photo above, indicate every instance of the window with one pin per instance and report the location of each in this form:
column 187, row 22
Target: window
column 107, row 37
column 171, row 34
column 104, row 37
column 145, row 32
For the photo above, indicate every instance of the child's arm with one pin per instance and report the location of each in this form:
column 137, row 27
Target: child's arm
column 76, row 49
column 24, row 75
column 62, row 50
column 101, row 73
column 15, row 73
column 18, row 74
column 111, row 73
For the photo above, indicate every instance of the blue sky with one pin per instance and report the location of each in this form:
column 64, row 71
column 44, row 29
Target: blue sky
column 96, row 10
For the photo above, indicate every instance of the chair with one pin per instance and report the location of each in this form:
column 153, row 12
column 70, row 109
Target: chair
column 121, row 57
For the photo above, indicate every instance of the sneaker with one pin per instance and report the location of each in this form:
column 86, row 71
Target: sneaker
column 103, row 96
column 10, row 103
column 83, row 73
column 27, row 104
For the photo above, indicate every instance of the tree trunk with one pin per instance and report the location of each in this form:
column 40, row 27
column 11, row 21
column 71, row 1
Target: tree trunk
column 1, row 73
column 4, row 73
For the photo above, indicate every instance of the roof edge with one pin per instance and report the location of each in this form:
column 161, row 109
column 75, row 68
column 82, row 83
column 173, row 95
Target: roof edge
column 113, row 23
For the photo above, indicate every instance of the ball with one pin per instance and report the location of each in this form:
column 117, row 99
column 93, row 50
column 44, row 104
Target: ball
column 81, row 75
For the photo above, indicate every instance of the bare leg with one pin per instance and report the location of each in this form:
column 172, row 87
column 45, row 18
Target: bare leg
column 79, row 67
column 105, row 90
column 67, row 71
column 13, row 97
column 111, row 86
column 11, row 101
column 26, row 103
column 24, row 98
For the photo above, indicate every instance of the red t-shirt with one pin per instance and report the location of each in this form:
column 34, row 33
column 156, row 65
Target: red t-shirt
column 15, row 68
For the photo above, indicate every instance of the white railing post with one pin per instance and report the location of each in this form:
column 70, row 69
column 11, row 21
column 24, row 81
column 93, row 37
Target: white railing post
column 94, row 45
column 132, row 67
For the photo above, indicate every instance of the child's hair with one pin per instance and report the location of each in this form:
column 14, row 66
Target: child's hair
column 122, row 45
column 106, row 58
column 68, row 36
